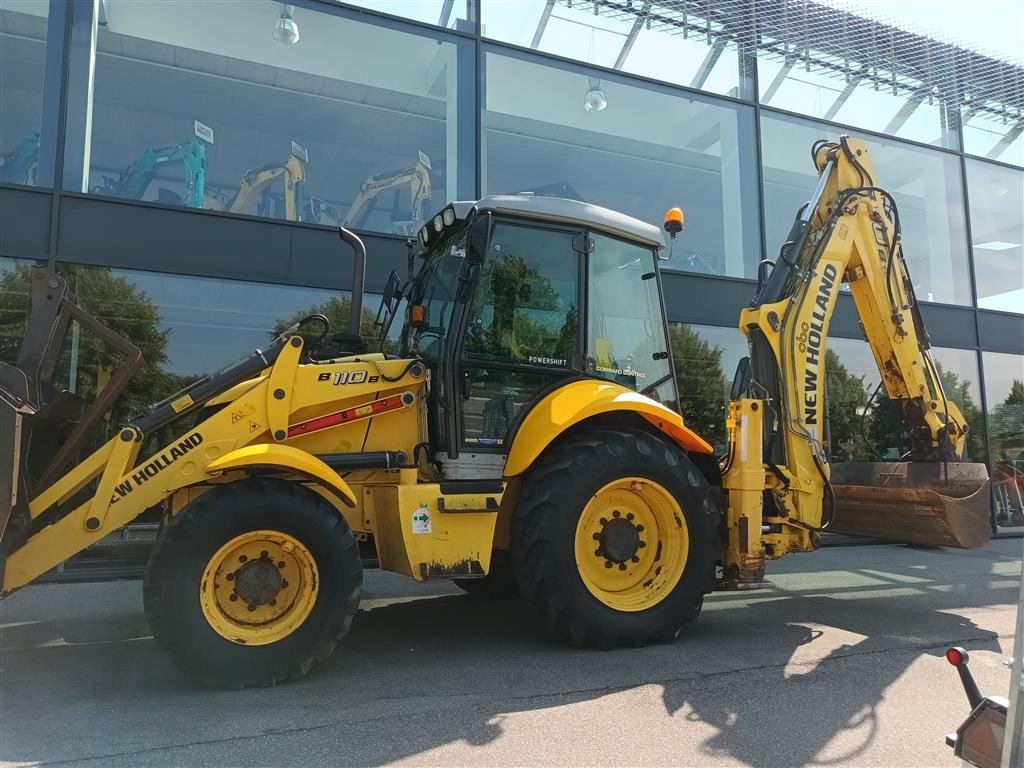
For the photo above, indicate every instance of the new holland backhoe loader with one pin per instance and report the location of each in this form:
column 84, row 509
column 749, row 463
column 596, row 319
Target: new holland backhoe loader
column 523, row 428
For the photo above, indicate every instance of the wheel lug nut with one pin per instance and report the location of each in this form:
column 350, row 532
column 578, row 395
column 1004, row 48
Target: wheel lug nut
column 640, row 528
column 230, row 577
column 280, row 564
column 252, row 608
column 642, row 544
column 242, row 558
column 597, row 537
column 233, row 597
column 616, row 513
column 622, row 566
column 597, row 553
column 264, row 553
column 273, row 601
column 604, row 521
column 635, row 559
column 284, row 583
column 630, row 515
column 607, row 563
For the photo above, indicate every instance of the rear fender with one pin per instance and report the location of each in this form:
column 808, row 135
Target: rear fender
column 578, row 401
column 288, row 459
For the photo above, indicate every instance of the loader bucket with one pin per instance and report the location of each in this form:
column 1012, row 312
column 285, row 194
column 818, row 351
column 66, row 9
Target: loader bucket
column 937, row 504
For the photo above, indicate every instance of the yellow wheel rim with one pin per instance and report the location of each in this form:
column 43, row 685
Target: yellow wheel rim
column 259, row 587
column 631, row 544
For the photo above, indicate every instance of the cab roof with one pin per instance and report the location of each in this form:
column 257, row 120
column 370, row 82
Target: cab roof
column 561, row 210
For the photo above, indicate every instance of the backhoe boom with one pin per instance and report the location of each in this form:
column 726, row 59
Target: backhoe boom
column 848, row 233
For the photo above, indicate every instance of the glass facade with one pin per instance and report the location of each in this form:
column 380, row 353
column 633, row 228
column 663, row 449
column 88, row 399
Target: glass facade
column 644, row 152
column 865, row 429
column 1004, row 395
column 454, row 14
column 374, row 113
column 705, row 359
column 925, row 183
column 997, row 230
column 23, row 33
column 857, row 97
column 993, row 137
column 354, row 123
column 575, row 32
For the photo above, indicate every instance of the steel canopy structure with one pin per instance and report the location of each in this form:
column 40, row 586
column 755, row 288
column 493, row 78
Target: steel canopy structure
column 852, row 50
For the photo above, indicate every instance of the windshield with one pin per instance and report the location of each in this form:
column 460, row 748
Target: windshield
column 435, row 288
column 626, row 334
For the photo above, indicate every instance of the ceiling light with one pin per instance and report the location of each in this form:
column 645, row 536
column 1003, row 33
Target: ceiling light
column 997, row 245
column 595, row 100
column 286, row 30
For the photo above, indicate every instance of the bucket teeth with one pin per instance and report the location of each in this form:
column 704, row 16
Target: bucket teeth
column 937, row 504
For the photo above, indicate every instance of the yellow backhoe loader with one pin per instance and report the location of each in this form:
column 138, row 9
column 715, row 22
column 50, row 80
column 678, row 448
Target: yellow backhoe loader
column 522, row 436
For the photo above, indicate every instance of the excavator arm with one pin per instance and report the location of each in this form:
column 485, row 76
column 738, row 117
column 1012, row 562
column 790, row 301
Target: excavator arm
column 416, row 178
column 292, row 173
column 781, row 495
column 191, row 155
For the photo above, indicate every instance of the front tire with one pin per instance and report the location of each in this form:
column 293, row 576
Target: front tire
column 615, row 538
column 253, row 583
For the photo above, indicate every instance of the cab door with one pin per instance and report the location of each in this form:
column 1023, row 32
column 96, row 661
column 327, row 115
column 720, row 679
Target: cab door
column 523, row 333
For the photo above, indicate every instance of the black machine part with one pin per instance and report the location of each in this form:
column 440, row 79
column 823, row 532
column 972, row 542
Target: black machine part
column 979, row 739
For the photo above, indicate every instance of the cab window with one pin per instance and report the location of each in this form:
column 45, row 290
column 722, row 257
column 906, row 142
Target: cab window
column 626, row 332
column 525, row 308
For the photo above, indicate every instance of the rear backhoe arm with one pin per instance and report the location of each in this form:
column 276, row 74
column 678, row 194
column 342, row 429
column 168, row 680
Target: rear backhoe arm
column 777, row 473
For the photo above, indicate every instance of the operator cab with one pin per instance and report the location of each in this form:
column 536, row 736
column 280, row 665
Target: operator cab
column 518, row 294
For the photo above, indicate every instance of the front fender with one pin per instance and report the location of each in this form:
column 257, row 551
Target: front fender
column 289, row 459
column 580, row 400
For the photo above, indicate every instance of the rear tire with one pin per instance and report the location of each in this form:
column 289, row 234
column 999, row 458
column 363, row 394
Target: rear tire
column 595, row 581
column 217, row 592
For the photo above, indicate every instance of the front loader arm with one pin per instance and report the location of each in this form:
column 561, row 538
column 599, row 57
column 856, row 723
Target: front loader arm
column 126, row 488
column 848, row 232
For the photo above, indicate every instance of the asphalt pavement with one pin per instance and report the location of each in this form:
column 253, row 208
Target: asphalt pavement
column 841, row 663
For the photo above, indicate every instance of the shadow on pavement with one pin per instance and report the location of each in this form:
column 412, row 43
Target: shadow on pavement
column 415, row 676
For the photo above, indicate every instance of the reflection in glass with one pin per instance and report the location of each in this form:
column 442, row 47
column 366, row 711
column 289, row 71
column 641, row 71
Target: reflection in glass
column 349, row 123
column 615, row 36
column 865, row 425
column 453, row 14
column 645, row 152
column 925, row 183
column 993, row 137
column 14, row 301
column 705, row 359
column 494, row 399
column 625, row 335
column 1004, row 396
column 526, row 297
column 22, row 62
column 854, row 98
column 997, row 229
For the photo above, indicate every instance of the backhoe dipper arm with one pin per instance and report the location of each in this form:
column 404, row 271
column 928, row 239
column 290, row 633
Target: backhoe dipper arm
column 292, row 173
column 848, row 232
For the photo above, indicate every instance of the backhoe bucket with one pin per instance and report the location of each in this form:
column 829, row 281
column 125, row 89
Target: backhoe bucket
column 936, row 504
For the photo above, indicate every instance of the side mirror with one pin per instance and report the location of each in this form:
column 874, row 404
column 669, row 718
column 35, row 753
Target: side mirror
column 741, row 381
column 479, row 232
column 392, row 293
